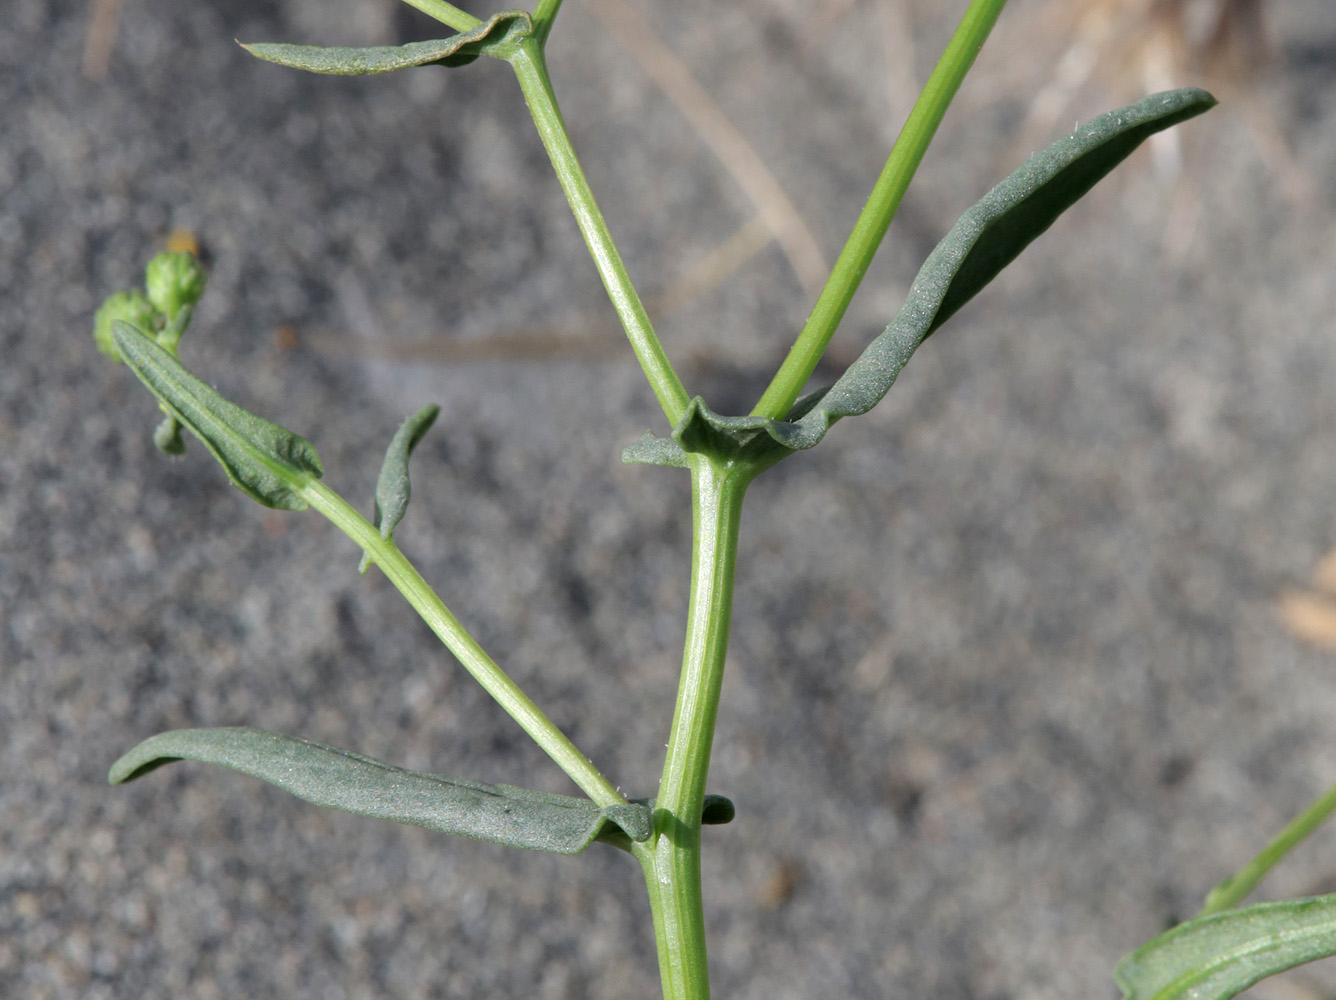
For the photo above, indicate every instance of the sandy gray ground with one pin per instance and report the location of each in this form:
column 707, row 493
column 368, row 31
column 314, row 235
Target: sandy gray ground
column 1008, row 690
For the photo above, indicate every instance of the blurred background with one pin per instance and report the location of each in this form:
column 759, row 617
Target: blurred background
column 1023, row 662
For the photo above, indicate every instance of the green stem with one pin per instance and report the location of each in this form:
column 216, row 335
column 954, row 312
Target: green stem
column 396, row 567
column 446, row 13
column 531, row 70
column 881, row 206
column 1232, row 891
column 671, row 858
column 544, row 15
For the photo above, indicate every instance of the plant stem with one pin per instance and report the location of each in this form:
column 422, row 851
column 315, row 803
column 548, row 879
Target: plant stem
column 404, row 575
column 531, row 70
column 881, row 206
column 446, row 13
column 1232, row 891
column 671, row 857
column 544, row 16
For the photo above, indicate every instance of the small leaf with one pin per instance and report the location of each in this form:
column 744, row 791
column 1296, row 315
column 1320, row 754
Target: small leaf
column 350, row 782
column 265, row 461
column 393, row 488
column 985, row 239
column 495, row 37
column 1220, row 956
column 717, row 811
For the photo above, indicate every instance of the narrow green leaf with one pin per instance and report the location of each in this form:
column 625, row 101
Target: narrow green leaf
column 393, row 488
column 495, row 37
column 985, row 239
column 265, row 461
column 1220, row 956
column 350, row 782
column 1011, row 216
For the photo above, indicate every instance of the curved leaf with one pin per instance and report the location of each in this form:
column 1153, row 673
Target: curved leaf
column 393, row 488
column 985, row 239
column 340, row 779
column 1220, row 956
column 494, row 37
column 267, row 462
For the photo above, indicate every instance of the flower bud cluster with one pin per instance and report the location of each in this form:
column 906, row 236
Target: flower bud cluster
column 174, row 282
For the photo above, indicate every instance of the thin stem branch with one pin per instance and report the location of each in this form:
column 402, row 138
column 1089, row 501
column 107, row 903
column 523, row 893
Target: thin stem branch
column 446, row 13
column 531, row 71
column 1233, row 890
column 495, row 681
column 671, row 858
column 544, row 16
column 881, row 206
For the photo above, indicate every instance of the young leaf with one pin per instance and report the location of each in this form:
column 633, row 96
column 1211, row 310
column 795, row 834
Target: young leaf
column 985, row 239
column 340, row 779
column 1220, row 956
column 717, row 810
column 495, row 37
column 393, row 488
column 267, row 462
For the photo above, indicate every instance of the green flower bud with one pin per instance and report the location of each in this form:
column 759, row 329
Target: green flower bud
column 174, row 280
column 134, row 308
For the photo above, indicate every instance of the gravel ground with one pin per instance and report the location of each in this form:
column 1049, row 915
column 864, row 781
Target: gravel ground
column 1008, row 690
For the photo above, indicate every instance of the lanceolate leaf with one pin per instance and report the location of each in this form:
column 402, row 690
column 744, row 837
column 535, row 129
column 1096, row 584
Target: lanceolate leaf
column 1217, row 957
column 393, row 488
column 495, row 37
column 340, row 779
column 987, row 238
column 267, row 462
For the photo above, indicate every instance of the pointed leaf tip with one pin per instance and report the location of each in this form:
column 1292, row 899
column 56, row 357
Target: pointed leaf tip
column 393, row 487
column 340, row 779
column 267, row 462
column 986, row 238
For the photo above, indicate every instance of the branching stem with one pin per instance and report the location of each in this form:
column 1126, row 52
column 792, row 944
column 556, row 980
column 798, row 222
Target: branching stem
column 881, row 206
column 446, row 13
column 531, row 70
column 404, row 575
column 671, row 858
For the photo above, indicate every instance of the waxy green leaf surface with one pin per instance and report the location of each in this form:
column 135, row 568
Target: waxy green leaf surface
column 1220, row 956
column 987, row 238
column 267, row 462
column 350, row 782
column 495, row 37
